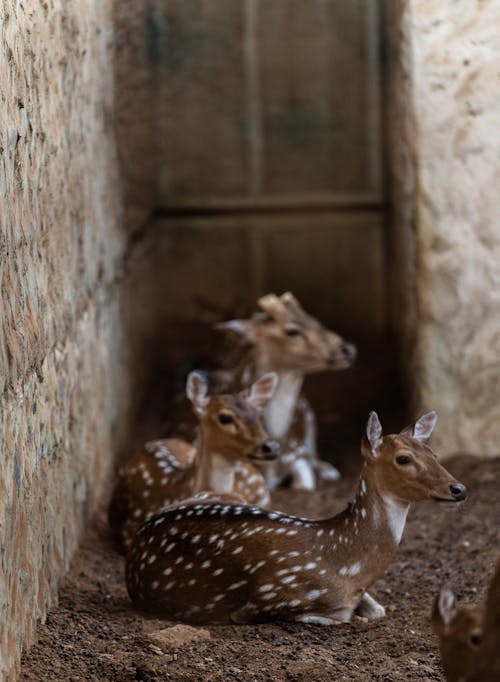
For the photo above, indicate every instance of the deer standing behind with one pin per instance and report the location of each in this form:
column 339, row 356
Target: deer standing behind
column 284, row 339
column 216, row 563
column 170, row 470
column 469, row 635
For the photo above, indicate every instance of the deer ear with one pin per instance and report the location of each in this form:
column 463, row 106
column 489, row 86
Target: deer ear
column 274, row 307
column 197, row 391
column 373, row 437
column 289, row 299
column 445, row 607
column 422, row 428
column 262, row 390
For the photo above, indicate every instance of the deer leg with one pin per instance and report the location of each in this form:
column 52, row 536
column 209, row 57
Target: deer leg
column 313, row 619
column 369, row 608
column 302, row 473
column 326, row 471
column 246, row 614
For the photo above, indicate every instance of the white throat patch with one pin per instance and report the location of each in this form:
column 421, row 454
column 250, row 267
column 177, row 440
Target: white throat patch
column 221, row 474
column 279, row 412
column 396, row 516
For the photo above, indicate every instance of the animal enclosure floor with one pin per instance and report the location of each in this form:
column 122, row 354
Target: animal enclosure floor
column 94, row 634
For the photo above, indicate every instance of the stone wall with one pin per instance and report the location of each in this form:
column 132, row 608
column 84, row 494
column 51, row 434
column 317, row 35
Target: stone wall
column 65, row 375
column 445, row 96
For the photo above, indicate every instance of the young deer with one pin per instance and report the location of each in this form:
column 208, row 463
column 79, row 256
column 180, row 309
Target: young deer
column 209, row 563
column 284, row 339
column 171, row 470
column 469, row 636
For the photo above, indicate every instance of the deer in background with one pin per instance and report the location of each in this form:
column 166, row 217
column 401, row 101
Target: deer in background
column 216, row 563
column 469, row 636
column 284, row 339
column 170, row 470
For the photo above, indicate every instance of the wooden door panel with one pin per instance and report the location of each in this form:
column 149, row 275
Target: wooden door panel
column 269, row 102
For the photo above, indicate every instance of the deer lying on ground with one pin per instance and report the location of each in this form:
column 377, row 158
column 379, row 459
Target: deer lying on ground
column 469, row 636
column 215, row 563
column 171, row 470
column 284, row 339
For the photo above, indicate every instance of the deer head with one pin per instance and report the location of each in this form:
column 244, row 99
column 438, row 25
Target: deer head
column 288, row 338
column 405, row 467
column 459, row 628
column 230, row 424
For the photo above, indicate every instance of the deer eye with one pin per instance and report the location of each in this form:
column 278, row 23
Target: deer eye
column 225, row 418
column 292, row 331
column 403, row 459
column 475, row 639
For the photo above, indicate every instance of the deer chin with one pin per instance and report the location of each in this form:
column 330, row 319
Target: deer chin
column 341, row 363
column 444, row 499
column 262, row 456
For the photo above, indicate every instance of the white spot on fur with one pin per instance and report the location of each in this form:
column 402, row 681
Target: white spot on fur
column 354, row 569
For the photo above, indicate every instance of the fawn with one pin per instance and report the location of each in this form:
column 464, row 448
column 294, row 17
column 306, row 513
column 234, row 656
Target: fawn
column 171, row 470
column 469, row 636
column 284, row 339
column 215, row 563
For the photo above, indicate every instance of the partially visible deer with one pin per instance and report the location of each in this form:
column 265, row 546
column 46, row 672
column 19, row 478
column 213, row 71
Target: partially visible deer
column 171, row 470
column 215, row 563
column 284, row 339
column 469, row 636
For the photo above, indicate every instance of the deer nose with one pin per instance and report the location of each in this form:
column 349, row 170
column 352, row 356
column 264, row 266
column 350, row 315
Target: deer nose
column 270, row 449
column 458, row 491
column 349, row 351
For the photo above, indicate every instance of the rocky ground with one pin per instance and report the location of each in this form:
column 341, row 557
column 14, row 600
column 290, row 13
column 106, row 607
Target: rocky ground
column 95, row 634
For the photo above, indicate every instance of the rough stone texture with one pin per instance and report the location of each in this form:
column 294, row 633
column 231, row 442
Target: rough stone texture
column 451, row 79
column 64, row 374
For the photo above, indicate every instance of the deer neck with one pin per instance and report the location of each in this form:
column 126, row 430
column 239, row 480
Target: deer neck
column 213, row 471
column 365, row 536
column 279, row 412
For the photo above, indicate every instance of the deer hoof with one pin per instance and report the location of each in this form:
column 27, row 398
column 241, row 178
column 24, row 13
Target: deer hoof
column 369, row 608
column 327, row 472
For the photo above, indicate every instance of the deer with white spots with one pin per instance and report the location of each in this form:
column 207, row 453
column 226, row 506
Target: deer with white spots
column 170, row 470
column 284, row 339
column 469, row 635
column 209, row 563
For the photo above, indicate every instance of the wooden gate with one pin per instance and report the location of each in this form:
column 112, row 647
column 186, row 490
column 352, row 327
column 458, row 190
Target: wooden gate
column 270, row 119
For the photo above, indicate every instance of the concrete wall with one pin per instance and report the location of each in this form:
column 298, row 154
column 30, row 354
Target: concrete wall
column 444, row 108
column 65, row 377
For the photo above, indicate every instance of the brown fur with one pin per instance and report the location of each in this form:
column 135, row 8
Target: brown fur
column 288, row 417
column 171, row 470
column 469, row 636
column 219, row 563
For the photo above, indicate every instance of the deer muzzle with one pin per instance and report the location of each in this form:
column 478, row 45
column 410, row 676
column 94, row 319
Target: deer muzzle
column 268, row 451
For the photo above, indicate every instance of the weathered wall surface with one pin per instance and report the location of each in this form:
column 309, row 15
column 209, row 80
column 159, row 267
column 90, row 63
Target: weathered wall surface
column 450, row 233
column 64, row 373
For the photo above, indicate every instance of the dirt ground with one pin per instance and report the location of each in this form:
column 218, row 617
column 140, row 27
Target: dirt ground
column 94, row 634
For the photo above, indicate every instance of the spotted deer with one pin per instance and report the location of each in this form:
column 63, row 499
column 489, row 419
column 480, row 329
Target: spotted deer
column 170, row 470
column 469, row 635
column 215, row 563
column 284, row 339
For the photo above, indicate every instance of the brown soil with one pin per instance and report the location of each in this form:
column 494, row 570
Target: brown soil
column 94, row 634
